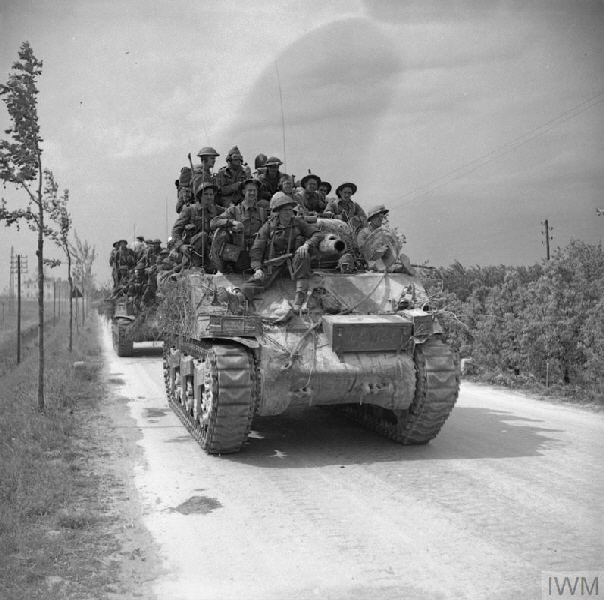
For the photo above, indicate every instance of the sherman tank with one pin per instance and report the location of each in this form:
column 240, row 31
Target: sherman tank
column 130, row 324
column 366, row 343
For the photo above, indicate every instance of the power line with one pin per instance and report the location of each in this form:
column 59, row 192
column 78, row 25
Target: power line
column 492, row 155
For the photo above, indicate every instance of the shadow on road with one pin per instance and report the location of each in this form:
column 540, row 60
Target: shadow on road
column 145, row 351
column 320, row 437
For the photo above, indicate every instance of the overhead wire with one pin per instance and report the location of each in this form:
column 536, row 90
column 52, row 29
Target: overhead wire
column 492, row 155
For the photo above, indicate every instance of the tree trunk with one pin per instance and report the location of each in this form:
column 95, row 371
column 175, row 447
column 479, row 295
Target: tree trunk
column 70, row 279
column 40, row 254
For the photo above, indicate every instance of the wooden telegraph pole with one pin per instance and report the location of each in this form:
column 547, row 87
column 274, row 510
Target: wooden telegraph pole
column 18, row 308
column 546, row 232
column 18, row 265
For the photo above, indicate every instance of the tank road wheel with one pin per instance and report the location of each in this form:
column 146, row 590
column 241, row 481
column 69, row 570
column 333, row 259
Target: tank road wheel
column 436, row 392
column 228, row 398
column 121, row 342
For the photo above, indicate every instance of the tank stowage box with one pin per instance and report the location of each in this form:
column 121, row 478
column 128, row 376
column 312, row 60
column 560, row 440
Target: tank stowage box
column 367, row 333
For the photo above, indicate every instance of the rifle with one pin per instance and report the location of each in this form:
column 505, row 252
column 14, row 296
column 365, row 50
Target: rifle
column 278, row 261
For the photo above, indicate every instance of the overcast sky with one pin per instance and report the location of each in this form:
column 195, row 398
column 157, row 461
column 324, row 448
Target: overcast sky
column 473, row 121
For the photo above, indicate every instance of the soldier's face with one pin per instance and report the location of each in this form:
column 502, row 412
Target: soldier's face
column 272, row 170
column 209, row 161
column 287, row 186
column 378, row 220
column 286, row 214
column 251, row 192
column 323, row 190
column 311, row 185
column 208, row 196
column 235, row 161
column 346, row 193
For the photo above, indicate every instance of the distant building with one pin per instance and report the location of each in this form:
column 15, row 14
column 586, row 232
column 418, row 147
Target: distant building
column 29, row 288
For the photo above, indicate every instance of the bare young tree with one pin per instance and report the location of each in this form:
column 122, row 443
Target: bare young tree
column 57, row 209
column 21, row 165
column 85, row 255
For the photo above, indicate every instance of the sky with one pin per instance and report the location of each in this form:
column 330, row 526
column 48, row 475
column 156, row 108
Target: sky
column 472, row 121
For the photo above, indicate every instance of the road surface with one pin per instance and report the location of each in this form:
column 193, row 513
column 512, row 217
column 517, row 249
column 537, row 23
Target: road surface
column 318, row 507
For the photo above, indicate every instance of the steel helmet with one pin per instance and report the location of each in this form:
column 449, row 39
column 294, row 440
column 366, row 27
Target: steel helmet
column 202, row 185
column 377, row 210
column 207, row 151
column 279, row 200
column 260, row 161
column 272, row 160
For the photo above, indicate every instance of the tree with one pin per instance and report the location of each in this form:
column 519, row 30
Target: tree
column 57, row 209
column 21, row 165
column 85, row 255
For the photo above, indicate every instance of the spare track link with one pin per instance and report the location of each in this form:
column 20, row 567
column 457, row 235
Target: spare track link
column 437, row 388
column 235, row 393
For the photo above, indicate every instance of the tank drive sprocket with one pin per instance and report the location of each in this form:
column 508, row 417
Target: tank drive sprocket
column 216, row 399
column 437, row 388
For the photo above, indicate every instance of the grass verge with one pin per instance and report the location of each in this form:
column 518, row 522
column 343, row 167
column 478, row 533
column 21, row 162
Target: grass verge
column 58, row 517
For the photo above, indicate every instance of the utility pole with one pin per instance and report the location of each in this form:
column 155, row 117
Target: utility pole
column 11, row 292
column 546, row 232
column 18, row 265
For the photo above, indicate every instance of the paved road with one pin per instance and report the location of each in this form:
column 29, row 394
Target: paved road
column 317, row 507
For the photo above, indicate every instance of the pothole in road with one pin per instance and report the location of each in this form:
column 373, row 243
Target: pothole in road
column 197, row 504
column 179, row 440
column 154, row 413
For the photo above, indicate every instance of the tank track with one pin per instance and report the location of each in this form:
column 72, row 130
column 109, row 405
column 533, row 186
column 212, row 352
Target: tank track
column 231, row 395
column 437, row 388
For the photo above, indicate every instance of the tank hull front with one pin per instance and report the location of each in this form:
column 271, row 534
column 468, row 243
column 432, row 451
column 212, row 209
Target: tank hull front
column 312, row 374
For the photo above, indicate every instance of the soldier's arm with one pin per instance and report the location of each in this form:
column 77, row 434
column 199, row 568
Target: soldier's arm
column 224, row 189
column 362, row 238
column 264, row 192
column 179, row 226
column 312, row 233
column 259, row 246
column 224, row 220
column 332, row 207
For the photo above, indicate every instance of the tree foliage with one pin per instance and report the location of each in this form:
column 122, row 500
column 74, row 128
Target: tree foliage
column 20, row 156
column 545, row 321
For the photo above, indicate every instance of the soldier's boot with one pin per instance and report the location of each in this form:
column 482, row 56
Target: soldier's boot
column 234, row 298
column 301, row 289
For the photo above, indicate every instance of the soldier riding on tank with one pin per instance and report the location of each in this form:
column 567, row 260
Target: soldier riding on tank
column 284, row 243
column 309, row 198
column 230, row 179
column 236, row 229
column 270, row 179
column 191, row 231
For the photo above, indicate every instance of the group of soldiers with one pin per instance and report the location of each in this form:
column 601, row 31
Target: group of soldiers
column 260, row 223
column 239, row 221
column 135, row 269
